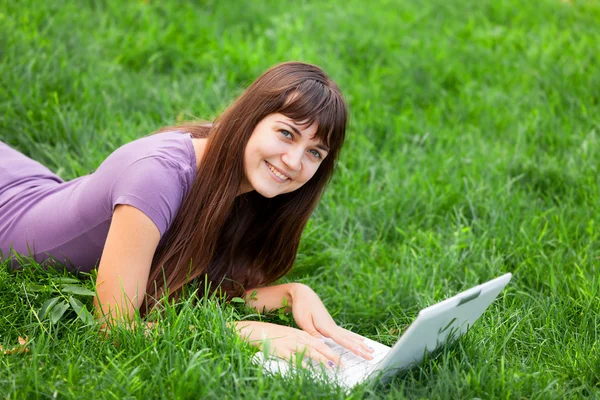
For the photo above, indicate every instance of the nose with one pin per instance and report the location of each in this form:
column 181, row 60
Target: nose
column 293, row 159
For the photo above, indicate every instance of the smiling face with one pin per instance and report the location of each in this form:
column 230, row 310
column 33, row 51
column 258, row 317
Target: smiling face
column 281, row 156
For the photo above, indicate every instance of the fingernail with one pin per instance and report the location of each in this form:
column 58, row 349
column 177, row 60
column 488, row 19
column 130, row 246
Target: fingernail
column 330, row 363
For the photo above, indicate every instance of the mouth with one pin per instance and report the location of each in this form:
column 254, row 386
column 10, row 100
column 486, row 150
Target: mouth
column 279, row 177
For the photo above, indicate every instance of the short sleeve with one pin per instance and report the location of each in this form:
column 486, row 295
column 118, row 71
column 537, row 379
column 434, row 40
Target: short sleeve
column 154, row 186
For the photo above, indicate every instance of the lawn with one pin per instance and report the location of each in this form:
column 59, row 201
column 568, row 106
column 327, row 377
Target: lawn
column 473, row 150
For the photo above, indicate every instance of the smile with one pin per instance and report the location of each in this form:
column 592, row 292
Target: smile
column 280, row 177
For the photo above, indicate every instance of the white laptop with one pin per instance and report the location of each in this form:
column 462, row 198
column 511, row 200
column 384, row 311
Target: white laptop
column 433, row 327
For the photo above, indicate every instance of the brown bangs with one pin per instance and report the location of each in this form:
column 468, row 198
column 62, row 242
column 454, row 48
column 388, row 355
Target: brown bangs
column 313, row 102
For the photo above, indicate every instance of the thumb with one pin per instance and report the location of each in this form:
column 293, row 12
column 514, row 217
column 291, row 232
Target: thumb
column 309, row 327
column 326, row 330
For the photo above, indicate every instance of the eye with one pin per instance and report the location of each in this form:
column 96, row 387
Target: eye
column 287, row 134
column 315, row 153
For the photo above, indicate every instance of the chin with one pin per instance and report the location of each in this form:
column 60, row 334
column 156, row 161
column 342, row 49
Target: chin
column 265, row 193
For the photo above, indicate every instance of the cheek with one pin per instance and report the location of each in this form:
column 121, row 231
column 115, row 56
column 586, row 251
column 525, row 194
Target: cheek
column 266, row 147
column 307, row 175
column 309, row 171
column 254, row 151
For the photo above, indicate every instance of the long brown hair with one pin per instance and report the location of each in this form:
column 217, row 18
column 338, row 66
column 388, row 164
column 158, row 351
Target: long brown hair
column 241, row 242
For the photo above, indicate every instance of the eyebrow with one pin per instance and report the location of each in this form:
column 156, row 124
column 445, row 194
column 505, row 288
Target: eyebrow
column 318, row 146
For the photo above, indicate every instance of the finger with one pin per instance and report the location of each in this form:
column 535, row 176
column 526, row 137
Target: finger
column 328, row 359
column 316, row 335
column 327, row 352
column 305, row 322
column 349, row 335
column 323, row 331
column 360, row 342
column 316, row 357
column 303, row 352
column 330, row 330
column 355, row 345
column 309, row 327
column 354, row 335
column 361, row 348
column 292, row 357
column 317, row 345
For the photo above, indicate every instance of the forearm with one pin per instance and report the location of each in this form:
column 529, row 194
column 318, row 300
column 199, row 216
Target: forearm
column 272, row 297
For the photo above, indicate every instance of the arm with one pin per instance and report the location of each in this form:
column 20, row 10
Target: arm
column 125, row 264
column 123, row 275
column 309, row 313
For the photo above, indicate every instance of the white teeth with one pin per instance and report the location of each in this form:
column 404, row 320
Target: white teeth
column 276, row 173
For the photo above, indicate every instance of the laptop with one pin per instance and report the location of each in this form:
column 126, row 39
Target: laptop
column 434, row 326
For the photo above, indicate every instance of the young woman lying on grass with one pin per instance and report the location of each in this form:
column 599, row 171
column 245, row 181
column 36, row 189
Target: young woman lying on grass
column 225, row 202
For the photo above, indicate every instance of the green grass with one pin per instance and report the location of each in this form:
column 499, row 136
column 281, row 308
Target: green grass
column 472, row 151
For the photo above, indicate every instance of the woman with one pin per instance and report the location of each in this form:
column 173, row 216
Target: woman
column 223, row 204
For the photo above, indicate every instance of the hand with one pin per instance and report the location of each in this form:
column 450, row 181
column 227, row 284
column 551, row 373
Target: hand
column 311, row 315
column 285, row 341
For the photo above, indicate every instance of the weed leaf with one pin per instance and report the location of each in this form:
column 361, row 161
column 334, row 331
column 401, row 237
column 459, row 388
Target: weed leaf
column 72, row 289
column 82, row 313
column 58, row 311
column 47, row 306
column 64, row 279
column 36, row 288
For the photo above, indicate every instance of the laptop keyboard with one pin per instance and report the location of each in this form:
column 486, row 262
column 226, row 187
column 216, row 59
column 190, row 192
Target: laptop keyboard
column 355, row 367
column 349, row 359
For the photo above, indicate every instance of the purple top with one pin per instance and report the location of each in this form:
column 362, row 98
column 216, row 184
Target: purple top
column 69, row 220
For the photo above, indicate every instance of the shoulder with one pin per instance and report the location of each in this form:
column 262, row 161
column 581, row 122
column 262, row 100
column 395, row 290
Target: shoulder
column 173, row 146
column 152, row 174
column 154, row 185
column 165, row 160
